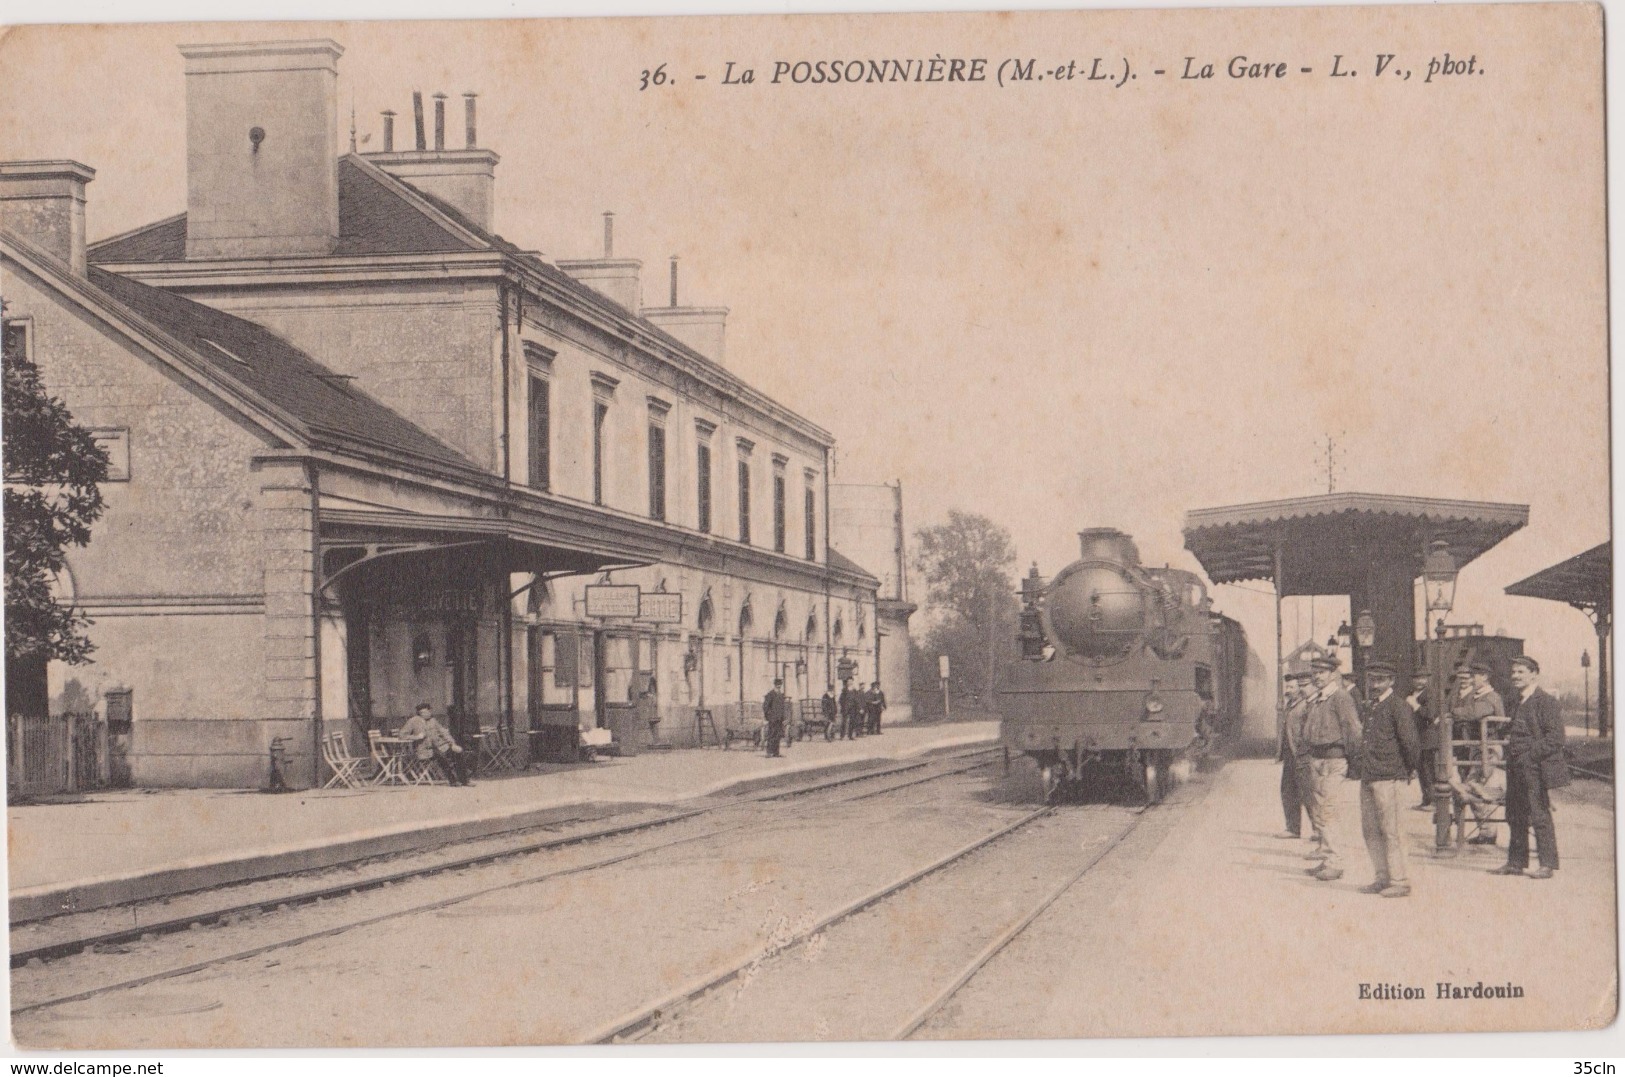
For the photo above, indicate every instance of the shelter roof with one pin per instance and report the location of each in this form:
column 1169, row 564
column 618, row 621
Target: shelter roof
column 1584, row 580
column 1328, row 541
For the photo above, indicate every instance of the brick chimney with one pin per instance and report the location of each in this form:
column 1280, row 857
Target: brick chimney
column 262, row 149
column 464, row 179
column 614, row 277
column 701, row 328
column 43, row 202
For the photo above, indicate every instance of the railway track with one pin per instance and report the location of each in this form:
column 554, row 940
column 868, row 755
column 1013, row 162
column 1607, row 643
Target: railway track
column 631, row 1025
column 936, row 768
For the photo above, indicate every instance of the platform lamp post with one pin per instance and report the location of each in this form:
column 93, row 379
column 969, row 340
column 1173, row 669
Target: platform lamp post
column 1439, row 584
column 1585, row 680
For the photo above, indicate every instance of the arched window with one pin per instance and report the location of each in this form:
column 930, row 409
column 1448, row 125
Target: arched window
column 811, row 632
column 746, row 618
column 781, row 622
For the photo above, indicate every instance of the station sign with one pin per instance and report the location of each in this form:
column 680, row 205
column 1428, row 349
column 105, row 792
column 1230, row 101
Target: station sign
column 613, row 600
column 661, row 608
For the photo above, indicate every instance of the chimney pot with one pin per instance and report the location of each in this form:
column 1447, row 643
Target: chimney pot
column 609, row 234
column 468, row 116
column 439, row 121
column 389, row 131
column 674, row 280
column 417, row 116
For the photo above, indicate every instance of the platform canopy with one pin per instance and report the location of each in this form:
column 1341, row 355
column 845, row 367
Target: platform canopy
column 1585, row 581
column 1328, row 543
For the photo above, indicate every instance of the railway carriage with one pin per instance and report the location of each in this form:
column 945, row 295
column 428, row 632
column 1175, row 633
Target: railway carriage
column 1124, row 669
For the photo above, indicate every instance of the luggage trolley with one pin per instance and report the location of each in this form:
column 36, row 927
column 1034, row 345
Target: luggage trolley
column 1478, row 777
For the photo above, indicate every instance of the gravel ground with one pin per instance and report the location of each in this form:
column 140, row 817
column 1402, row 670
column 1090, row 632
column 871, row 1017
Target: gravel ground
column 862, row 978
column 537, row 963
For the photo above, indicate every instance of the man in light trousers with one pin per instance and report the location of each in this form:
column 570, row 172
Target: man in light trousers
column 1332, row 733
column 1389, row 754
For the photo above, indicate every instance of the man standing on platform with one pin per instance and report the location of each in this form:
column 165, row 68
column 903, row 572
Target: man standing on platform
column 1535, row 766
column 1387, row 756
column 826, row 709
column 1427, row 736
column 874, row 705
column 1332, row 734
column 1289, row 752
column 775, row 708
column 851, row 711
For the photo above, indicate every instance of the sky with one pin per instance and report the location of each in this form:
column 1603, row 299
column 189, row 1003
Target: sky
column 1063, row 304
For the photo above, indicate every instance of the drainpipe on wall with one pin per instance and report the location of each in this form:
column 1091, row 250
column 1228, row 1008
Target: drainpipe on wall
column 829, row 641
column 316, row 623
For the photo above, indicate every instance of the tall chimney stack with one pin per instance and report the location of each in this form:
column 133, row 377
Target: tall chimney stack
column 439, row 122
column 468, row 117
column 44, row 203
column 609, row 276
column 389, row 130
column 417, row 116
column 701, row 328
column 262, row 149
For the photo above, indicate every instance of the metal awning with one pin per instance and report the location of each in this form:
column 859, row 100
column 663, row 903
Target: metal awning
column 1585, row 581
column 1326, row 542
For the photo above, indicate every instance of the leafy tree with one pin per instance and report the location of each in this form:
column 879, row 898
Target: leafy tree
column 52, row 468
column 966, row 565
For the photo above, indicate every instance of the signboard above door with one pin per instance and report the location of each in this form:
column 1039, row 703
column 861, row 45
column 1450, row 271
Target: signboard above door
column 612, row 600
column 661, row 608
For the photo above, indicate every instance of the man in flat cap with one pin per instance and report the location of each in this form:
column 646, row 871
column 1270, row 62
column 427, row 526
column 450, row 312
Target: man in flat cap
column 1292, row 754
column 1387, row 756
column 1535, row 765
column 776, row 710
column 1332, row 734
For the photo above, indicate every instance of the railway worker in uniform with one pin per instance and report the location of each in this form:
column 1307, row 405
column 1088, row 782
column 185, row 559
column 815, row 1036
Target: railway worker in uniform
column 775, row 709
column 1331, row 730
column 827, row 710
column 1388, row 755
column 1535, row 766
column 874, row 705
column 851, row 711
column 1289, row 753
column 1427, row 736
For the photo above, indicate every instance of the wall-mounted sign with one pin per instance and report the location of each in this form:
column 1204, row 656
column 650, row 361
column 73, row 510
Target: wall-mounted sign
column 658, row 607
column 612, row 600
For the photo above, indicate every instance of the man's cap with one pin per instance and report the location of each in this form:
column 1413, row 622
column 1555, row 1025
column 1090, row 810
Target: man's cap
column 1298, row 675
column 1527, row 662
column 1380, row 669
column 778, row 680
column 1325, row 662
column 1480, row 667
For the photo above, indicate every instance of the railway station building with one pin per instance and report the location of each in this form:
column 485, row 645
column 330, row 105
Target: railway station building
column 367, row 453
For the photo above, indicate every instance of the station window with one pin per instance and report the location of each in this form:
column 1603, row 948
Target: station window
column 779, row 507
column 600, row 413
column 541, row 433
column 744, row 446
column 810, row 504
column 702, row 460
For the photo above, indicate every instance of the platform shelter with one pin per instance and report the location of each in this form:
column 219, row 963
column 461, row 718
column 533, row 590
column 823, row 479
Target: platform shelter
column 1368, row 547
column 1586, row 582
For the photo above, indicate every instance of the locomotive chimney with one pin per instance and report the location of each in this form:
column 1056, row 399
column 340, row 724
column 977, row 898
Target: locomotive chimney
column 1108, row 544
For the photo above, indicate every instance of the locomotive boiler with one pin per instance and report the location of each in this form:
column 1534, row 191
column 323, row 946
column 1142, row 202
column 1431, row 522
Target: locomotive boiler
column 1125, row 671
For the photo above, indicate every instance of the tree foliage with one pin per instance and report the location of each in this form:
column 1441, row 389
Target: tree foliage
column 966, row 565
column 52, row 468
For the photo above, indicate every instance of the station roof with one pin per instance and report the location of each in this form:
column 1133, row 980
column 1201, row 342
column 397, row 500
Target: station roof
column 1584, row 580
column 1328, row 540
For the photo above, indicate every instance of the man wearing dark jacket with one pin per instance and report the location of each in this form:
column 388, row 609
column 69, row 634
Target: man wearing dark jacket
column 1534, row 765
column 1389, row 753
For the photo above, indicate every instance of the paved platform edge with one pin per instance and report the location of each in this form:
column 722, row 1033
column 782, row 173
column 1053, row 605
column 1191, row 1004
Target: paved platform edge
column 56, row 899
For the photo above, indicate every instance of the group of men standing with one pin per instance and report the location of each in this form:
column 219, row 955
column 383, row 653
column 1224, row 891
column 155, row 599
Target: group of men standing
column 859, row 711
column 1383, row 739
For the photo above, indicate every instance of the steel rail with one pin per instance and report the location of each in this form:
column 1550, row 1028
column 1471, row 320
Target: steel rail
column 444, row 902
column 1009, row 935
column 68, row 947
column 648, row 1013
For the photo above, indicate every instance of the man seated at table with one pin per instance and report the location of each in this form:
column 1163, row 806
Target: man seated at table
column 431, row 740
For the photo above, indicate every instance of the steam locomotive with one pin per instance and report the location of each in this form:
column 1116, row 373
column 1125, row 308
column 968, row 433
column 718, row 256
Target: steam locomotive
column 1123, row 669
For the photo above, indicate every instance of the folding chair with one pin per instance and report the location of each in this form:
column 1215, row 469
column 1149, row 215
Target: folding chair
column 496, row 749
column 388, row 764
column 346, row 767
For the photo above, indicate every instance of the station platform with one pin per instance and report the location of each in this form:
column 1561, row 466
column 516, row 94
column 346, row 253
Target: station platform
column 1211, row 927
column 124, row 845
